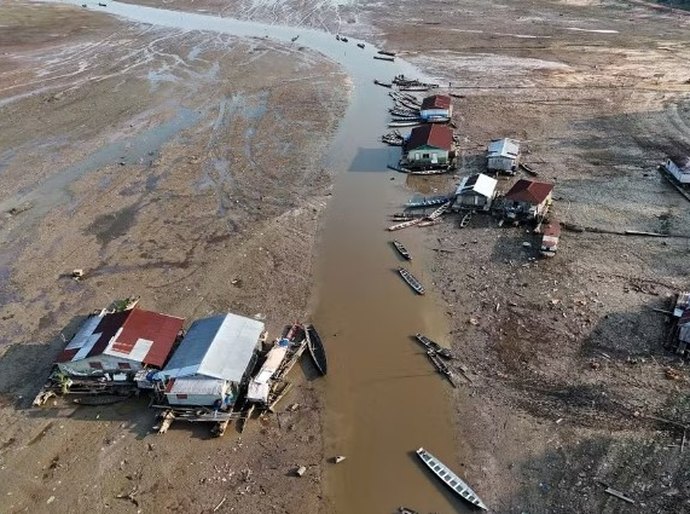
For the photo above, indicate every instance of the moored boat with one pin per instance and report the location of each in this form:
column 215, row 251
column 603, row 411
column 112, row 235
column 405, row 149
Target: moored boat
column 405, row 123
column 384, row 84
column 384, row 58
column 316, row 349
column 402, row 250
column 407, row 510
column 384, row 52
column 449, row 478
column 429, row 344
column 408, row 277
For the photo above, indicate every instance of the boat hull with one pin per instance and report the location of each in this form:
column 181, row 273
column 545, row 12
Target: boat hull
column 453, row 481
column 316, row 349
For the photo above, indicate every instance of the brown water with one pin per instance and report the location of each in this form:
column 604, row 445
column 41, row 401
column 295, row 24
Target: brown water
column 383, row 398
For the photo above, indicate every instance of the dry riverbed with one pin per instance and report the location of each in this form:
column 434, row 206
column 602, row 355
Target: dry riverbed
column 180, row 166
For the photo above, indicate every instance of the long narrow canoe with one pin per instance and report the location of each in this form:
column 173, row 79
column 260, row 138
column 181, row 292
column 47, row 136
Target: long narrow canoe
column 430, row 344
column 408, row 277
column 316, row 349
column 404, row 252
column 450, row 479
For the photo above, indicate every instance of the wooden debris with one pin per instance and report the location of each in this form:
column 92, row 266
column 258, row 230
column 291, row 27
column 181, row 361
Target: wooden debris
column 220, row 504
column 619, row 495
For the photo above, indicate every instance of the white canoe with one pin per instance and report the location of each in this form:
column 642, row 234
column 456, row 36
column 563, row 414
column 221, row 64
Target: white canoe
column 450, row 479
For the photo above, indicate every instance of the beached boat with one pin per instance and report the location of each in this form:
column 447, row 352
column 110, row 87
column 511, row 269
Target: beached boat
column 408, row 277
column 402, row 250
column 407, row 510
column 100, row 400
column 361, row 45
column 430, row 344
column 441, row 367
column 405, row 123
column 384, row 52
column 384, row 84
column 384, row 58
column 449, row 478
column 430, row 201
column 316, row 349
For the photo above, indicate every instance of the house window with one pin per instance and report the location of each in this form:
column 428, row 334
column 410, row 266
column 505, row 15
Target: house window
column 181, row 396
column 124, row 365
column 95, row 365
column 416, row 156
column 425, row 156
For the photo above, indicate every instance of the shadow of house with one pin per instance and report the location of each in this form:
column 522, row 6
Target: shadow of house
column 24, row 367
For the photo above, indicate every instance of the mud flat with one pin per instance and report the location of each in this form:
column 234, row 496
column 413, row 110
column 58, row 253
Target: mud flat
column 153, row 159
column 567, row 352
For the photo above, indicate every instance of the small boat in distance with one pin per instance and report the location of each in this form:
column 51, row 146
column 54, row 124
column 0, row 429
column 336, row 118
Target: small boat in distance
column 406, row 510
column 361, row 45
column 450, row 479
column 408, row 277
column 384, row 58
column 384, row 52
column 402, row 250
column 405, row 123
column 316, row 349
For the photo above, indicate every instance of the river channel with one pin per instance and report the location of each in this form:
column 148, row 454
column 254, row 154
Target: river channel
column 383, row 399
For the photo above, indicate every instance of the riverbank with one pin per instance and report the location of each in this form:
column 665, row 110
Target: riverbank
column 566, row 355
column 155, row 160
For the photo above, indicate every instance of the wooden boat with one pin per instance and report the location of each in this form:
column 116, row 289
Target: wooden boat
column 381, row 83
column 344, row 39
column 426, row 222
column 407, row 510
column 384, row 58
column 384, row 52
column 415, row 284
column 420, row 89
column 430, row 344
column 405, row 224
column 402, row 250
column 441, row 367
column 449, row 478
column 430, row 201
column 465, row 220
column 316, row 349
column 528, row 169
column 361, row 45
column 405, row 123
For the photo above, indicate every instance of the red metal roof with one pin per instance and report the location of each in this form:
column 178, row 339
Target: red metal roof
column 151, row 326
column 125, row 329
column 529, row 191
column 438, row 136
column 436, row 102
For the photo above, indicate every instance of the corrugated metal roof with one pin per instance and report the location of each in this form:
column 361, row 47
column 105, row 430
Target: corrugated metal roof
column 503, row 148
column 479, row 183
column 438, row 136
column 529, row 191
column 219, row 347
column 210, row 386
column 146, row 337
column 136, row 334
column 436, row 102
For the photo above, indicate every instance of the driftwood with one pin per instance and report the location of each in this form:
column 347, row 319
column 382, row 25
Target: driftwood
column 619, row 495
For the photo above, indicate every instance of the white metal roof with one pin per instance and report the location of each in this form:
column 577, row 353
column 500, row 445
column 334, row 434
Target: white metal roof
column 480, row 184
column 273, row 359
column 504, row 148
column 207, row 386
column 216, row 347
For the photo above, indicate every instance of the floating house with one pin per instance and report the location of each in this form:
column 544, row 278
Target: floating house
column 678, row 168
column 436, row 108
column 120, row 342
column 502, row 156
column 549, row 239
column 429, row 147
column 475, row 192
column 213, row 360
column 527, row 199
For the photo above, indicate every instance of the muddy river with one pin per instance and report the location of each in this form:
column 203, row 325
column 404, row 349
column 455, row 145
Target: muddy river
column 383, row 399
